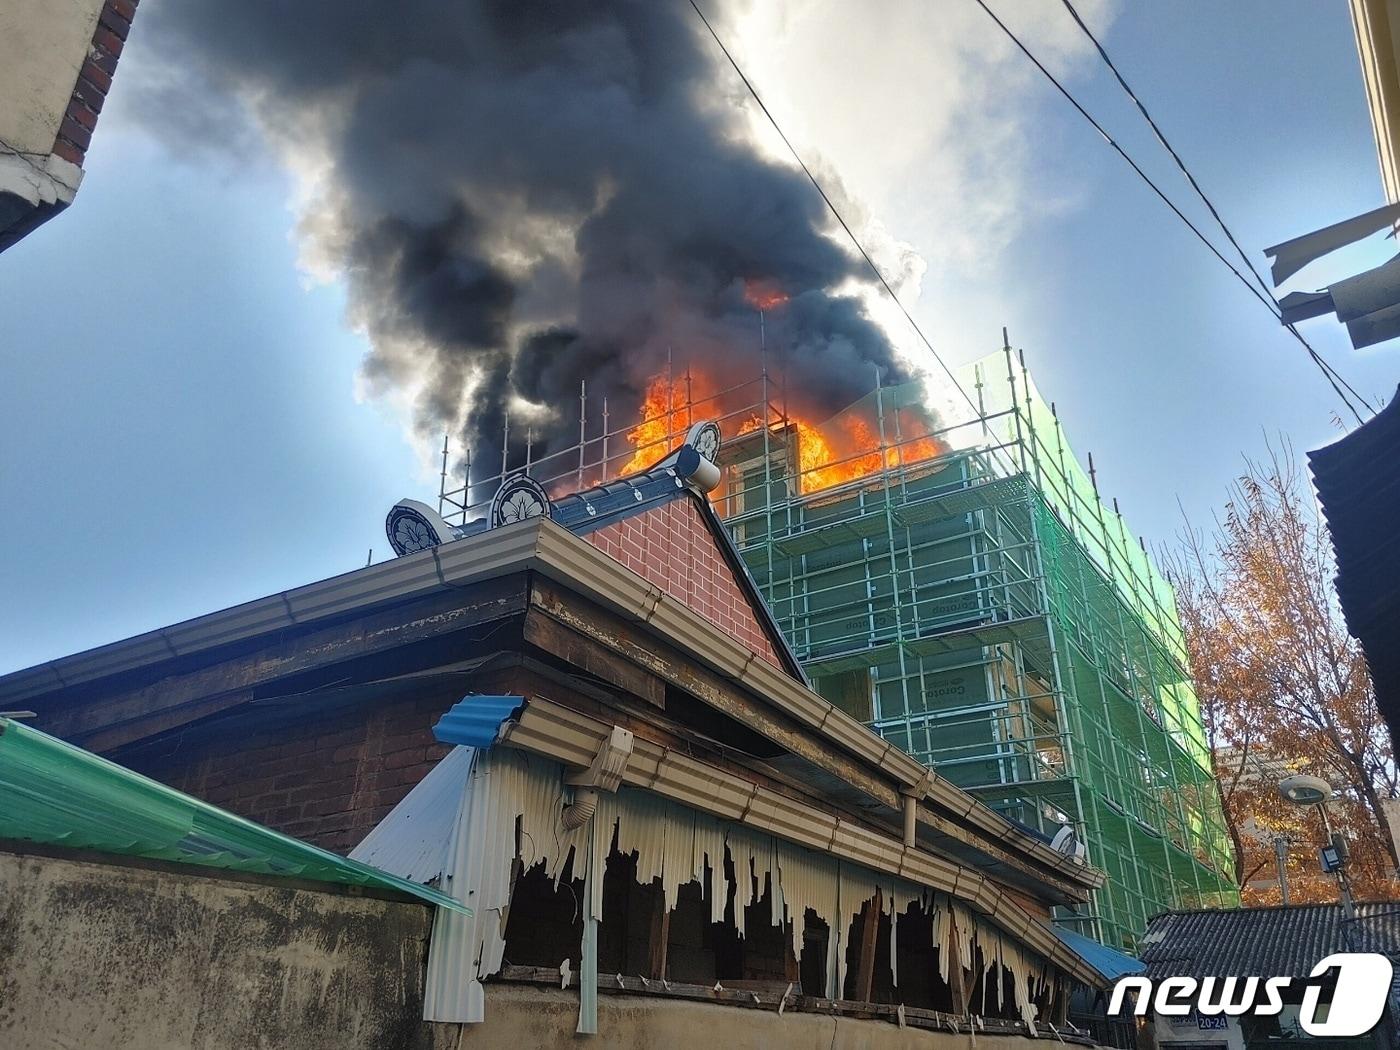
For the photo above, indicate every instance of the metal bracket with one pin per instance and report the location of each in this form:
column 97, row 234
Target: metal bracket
column 606, row 769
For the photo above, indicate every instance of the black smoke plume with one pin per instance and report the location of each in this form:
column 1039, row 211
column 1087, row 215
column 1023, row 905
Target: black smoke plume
column 521, row 194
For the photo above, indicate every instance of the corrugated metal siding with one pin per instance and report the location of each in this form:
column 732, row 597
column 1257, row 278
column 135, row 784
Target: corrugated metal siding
column 411, row 841
column 573, row 737
column 505, row 789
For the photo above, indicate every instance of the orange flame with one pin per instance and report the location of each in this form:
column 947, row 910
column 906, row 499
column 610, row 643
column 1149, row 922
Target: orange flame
column 764, row 294
column 664, row 420
column 843, row 449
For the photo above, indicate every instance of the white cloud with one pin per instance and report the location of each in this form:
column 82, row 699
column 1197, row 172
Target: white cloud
column 923, row 108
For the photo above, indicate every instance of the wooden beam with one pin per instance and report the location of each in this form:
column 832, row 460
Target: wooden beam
column 216, row 683
column 869, row 933
column 1062, row 994
column 755, row 998
column 585, row 653
column 792, row 966
column 957, row 978
column 102, row 741
column 668, row 664
column 658, row 936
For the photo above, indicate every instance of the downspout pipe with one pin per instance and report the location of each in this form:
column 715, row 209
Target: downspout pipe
column 579, row 812
column 911, row 821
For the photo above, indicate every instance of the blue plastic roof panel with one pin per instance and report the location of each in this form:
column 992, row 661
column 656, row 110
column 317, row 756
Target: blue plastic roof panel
column 475, row 721
column 1110, row 962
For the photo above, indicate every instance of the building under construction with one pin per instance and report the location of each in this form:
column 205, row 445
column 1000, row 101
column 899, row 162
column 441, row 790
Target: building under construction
column 955, row 582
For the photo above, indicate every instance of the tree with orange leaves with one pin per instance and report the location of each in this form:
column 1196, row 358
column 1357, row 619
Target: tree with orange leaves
column 1284, row 688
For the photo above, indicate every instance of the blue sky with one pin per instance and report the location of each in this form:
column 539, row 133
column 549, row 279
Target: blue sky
column 179, row 424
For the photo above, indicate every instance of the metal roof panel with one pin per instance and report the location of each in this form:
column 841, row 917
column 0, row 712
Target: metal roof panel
column 476, row 720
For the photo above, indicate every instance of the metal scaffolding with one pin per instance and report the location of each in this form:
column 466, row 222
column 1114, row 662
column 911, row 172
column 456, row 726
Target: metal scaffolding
column 984, row 610
column 968, row 595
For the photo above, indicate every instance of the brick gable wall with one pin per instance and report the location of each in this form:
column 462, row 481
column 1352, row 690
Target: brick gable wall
column 331, row 773
column 672, row 547
column 328, row 777
column 94, row 80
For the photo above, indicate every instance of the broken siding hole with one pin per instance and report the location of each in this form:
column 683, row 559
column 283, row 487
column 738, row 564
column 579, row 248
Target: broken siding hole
column 508, row 838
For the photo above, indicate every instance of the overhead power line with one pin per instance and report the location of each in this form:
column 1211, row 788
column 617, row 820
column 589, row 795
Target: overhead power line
column 1261, row 292
column 1210, row 205
column 1162, row 138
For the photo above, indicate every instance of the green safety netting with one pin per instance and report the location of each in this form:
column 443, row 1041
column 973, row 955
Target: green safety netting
column 60, row 795
column 989, row 613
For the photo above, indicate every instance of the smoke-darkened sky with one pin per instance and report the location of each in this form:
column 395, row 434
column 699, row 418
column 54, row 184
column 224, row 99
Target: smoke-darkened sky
column 521, row 195
column 185, row 416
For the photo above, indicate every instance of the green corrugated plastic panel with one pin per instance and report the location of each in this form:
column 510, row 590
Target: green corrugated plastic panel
column 56, row 794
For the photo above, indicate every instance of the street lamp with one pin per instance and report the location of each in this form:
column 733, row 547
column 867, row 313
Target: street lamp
column 1304, row 790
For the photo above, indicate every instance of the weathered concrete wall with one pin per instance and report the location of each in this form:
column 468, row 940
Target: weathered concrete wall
column 125, row 957
column 520, row 1016
column 116, row 956
column 43, row 44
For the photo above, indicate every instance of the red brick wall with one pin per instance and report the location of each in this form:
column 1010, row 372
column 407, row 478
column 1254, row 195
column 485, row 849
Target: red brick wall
column 328, row 777
column 94, row 80
column 672, row 547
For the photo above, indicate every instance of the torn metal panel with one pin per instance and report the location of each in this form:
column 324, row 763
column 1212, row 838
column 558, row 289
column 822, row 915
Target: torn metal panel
column 1300, row 306
column 1375, row 327
column 509, row 815
column 412, row 840
column 708, row 851
column 808, row 882
column 568, row 736
column 1376, row 289
column 509, row 810
column 1291, row 256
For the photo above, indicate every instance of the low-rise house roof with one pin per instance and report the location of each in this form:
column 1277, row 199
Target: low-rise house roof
column 615, row 610
column 1283, row 941
column 55, row 794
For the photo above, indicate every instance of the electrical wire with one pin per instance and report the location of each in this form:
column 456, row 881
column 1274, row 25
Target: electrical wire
column 1210, row 205
column 879, row 275
column 1215, row 214
column 1265, row 297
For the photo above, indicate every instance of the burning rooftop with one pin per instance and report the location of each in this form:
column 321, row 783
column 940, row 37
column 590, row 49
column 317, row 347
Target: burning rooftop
column 819, row 453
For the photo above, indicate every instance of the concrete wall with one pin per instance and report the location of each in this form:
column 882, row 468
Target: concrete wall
column 43, row 44
column 57, row 58
column 117, row 956
column 521, row 1016
column 129, row 957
